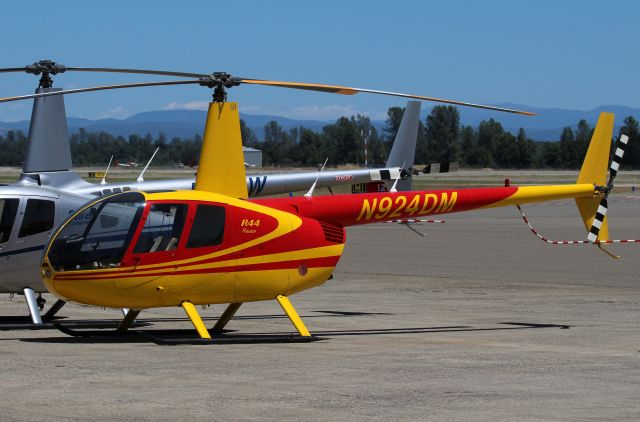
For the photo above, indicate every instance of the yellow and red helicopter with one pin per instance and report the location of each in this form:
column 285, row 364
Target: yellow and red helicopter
column 213, row 245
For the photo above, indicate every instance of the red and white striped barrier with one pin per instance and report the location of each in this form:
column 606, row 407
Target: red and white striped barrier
column 413, row 220
column 572, row 242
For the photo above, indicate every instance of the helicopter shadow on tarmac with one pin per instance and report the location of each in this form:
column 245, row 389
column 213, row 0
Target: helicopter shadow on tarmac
column 10, row 323
column 78, row 332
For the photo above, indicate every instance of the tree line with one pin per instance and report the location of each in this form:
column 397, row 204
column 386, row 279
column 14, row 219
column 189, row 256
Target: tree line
column 441, row 138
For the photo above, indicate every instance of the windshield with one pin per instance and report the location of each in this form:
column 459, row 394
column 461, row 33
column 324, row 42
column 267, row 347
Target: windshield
column 98, row 236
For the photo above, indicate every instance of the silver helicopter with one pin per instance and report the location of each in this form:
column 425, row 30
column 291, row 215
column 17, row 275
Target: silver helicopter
column 48, row 189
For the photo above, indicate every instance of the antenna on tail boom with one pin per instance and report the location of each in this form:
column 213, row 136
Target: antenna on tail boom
column 104, row 177
column 140, row 179
column 310, row 193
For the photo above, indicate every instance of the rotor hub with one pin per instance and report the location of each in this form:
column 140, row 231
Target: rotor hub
column 46, row 68
column 219, row 81
column 603, row 190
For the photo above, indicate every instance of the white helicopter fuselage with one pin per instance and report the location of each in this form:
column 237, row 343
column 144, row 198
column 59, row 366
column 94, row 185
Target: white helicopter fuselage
column 27, row 217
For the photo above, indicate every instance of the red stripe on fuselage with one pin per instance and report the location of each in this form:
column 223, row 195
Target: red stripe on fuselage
column 329, row 261
column 354, row 209
column 308, row 236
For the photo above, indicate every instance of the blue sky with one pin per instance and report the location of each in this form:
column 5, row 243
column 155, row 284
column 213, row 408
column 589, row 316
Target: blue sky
column 566, row 54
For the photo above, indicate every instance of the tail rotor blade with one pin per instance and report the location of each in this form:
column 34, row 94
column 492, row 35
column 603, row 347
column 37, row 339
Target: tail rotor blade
column 601, row 213
column 617, row 158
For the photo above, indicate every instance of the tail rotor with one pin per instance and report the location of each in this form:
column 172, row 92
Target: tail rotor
column 601, row 213
column 594, row 212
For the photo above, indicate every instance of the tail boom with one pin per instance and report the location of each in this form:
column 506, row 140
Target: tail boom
column 349, row 210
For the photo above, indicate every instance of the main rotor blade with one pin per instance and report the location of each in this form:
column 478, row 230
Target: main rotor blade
column 138, row 71
column 97, row 88
column 215, row 78
column 344, row 90
column 13, row 69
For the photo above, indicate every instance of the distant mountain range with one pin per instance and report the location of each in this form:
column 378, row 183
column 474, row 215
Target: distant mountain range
column 547, row 125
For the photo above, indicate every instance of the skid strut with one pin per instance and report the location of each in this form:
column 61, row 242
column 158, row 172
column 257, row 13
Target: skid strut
column 193, row 315
column 128, row 320
column 53, row 309
column 288, row 308
column 226, row 317
column 32, row 303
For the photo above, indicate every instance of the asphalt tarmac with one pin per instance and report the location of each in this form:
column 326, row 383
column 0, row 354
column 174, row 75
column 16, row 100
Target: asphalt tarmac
column 479, row 320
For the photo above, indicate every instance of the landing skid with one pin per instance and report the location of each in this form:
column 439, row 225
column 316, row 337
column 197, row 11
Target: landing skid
column 181, row 337
column 25, row 323
column 169, row 340
column 107, row 328
column 91, row 333
column 175, row 337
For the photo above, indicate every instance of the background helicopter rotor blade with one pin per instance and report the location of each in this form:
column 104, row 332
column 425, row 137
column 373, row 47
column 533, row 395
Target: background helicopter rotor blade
column 13, row 69
column 138, row 71
column 98, row 88
column 54, row 68
column 343, row 90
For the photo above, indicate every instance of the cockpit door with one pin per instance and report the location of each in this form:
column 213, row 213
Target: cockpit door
column 158, row 238
column 35, row 219
column 8, row 212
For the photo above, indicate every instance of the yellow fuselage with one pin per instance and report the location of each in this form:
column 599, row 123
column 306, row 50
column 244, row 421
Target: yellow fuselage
column 264, row 253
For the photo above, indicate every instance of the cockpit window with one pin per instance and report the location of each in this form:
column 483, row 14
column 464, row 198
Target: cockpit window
column 39, row 217
column 8, row 210
column 98, row 236
column 208, row 227
column 162, row 229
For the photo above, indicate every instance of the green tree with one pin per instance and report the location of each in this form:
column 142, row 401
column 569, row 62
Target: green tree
column 469, row 147
column 442, row 132
column 422, row 146
column 248, row 136
column 583, row 137
column 349, row 145
column 278, row 145
column 13, row 149
column 631, row 157
column 506, row 151
column 551, row 155
column 568, row 149
column 392, row 124
column 311, row 146
column 526, row 150
column 489, row 131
